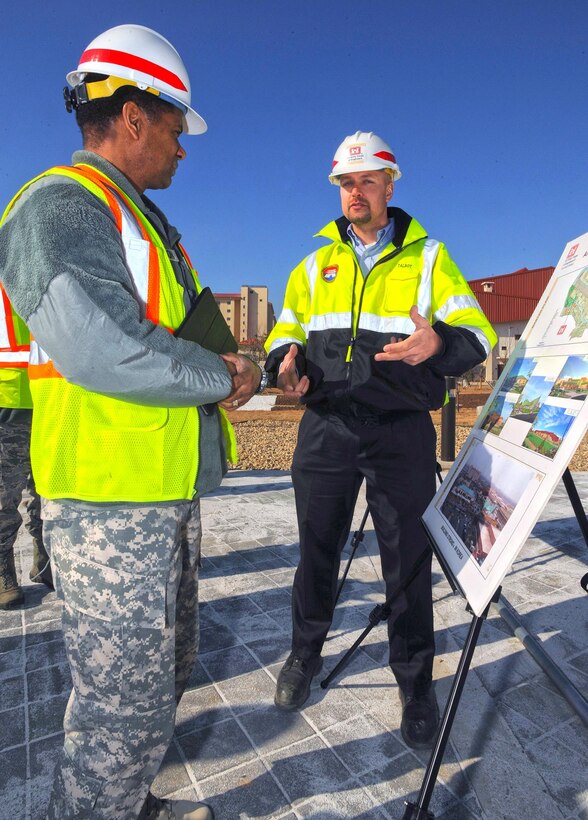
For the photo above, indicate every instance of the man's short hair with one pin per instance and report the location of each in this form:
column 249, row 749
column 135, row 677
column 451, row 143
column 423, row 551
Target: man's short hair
column 95, row 118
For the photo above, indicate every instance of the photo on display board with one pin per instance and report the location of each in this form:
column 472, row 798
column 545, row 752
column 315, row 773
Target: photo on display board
column 522, row 442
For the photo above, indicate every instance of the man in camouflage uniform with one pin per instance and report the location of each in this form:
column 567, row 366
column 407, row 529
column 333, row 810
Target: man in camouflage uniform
column 15, row 477
column 118, row 670
column 126, row 434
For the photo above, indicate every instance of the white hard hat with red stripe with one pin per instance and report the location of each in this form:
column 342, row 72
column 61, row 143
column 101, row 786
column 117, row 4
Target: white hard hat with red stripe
column 363, row 151
column 136, row 55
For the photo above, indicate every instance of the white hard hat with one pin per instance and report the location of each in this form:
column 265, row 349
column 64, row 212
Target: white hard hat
column 363, row 151
column 136, row 55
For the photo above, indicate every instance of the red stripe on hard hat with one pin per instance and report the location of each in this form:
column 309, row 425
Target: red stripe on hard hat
column 122, row 58
column 385, row 155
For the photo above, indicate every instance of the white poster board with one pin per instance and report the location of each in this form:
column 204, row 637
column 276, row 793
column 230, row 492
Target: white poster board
column 522, row 442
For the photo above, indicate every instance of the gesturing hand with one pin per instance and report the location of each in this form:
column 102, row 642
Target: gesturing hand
column 420, row 345
column 288, row 380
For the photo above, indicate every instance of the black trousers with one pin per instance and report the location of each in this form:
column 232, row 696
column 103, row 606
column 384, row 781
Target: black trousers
column 334, row 454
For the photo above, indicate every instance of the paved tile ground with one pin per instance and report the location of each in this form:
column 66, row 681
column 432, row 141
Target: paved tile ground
column 517, row 749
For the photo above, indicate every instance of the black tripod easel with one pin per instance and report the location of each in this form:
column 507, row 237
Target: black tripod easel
column 419, row 810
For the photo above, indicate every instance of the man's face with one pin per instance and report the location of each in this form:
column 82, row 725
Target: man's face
column 161, row 150
column 365, row 195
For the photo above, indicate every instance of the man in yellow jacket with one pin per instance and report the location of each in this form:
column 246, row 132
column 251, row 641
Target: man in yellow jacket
column 372, row 323
column 127, row 433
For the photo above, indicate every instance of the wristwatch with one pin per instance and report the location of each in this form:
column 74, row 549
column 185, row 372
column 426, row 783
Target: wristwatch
column 264, row 381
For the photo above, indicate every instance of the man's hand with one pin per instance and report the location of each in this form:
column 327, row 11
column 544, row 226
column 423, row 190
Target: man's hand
column 419, row 347
column 288, row 380
column 246, row 377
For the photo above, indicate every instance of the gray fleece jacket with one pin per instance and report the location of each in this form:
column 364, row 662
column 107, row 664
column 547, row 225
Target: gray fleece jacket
column 63, row 266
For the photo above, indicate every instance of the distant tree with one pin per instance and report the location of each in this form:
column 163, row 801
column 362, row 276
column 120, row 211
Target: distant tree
column 254, row 348
column 475, row 374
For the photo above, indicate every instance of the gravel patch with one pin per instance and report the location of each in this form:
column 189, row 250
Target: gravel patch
column 268, row 444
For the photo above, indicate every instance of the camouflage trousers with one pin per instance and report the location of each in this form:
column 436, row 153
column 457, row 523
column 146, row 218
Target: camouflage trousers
column 15, row 477
column 128, row 579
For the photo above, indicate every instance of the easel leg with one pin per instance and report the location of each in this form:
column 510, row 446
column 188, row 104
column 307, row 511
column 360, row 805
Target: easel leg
column 379, row 613
column 419, row 810
column 355, row 542
column 576, row 503
column 535, row 648
column 579, row 513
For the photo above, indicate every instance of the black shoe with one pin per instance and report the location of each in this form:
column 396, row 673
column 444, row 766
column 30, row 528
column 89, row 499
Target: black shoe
column 157, row 809
column 294, row 681
column 420, row 719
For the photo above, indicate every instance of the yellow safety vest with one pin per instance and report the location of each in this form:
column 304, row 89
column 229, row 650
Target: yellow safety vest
column 14, row 357
column 88, row 446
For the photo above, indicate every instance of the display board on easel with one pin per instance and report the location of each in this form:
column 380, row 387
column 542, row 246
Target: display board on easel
column 522, row 442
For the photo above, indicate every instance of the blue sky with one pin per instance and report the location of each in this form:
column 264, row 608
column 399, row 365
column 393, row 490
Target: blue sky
column 575, row 368
column 484, row 104
column 553, row 419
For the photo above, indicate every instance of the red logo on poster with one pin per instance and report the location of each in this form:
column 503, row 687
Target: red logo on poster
column 330, row 273
column 572, row 251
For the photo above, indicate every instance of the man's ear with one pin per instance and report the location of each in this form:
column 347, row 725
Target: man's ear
column 389, row 190
column 133, row 119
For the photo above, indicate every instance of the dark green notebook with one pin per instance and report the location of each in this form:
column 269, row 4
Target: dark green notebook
column 205, row 325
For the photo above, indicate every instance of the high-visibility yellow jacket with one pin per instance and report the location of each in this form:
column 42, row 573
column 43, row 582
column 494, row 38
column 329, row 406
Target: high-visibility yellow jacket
column 14, row 357
column 91, row 447
column 339, row 319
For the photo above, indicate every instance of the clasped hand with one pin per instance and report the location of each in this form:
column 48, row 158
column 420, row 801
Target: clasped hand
column 420, row 345
column 246, row 376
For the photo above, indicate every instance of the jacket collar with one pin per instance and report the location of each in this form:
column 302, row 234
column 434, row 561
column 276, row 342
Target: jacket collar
column 406, row 228
column 142, row 202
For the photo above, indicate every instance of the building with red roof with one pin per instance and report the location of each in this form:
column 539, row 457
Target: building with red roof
column 509, row 301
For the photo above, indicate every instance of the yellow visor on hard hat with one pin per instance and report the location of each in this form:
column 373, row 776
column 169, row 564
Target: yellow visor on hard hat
column 100, row 89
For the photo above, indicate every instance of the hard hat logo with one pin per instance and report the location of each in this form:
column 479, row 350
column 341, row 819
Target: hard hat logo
column 138, row 56
column 363, row 151
column 356, row 154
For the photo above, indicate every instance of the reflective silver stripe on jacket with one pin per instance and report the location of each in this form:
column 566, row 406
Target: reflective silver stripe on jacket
column 136, row 251
column 15, row 358
column 38, row 355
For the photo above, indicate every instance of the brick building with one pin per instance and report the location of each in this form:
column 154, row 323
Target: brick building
column 509, row 301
